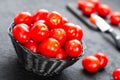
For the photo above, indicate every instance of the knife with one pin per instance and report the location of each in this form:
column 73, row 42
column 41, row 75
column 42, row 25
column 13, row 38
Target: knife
column 105, row 27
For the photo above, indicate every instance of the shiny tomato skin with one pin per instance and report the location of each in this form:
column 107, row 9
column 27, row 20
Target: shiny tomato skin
column 73, row 31
column 23, row 17
column 31, row 45
column 65, row 20
column 21, row 33
column 116, row 74
column 115, row 18
column 103, row 10
column 73, row 48
column 49, row 47
column 39, row 32
column 102, row 58
column 61, row 54
column 40, row 14
column 90, row 63
column 88, row 8
column 80, row 4
column 41, row 21
column 59, row 34
column 95, row 2
column 54, row 19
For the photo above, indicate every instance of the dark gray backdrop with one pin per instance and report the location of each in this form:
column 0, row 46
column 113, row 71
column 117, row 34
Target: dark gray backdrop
column 95, row 41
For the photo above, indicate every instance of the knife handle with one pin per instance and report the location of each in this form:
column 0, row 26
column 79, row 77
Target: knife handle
column 115, row 36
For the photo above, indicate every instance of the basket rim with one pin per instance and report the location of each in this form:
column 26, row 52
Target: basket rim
column 39, row 55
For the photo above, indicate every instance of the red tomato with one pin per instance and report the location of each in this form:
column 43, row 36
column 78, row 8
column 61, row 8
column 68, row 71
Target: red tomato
column 95, row 2
column 40, row 21
column 73, row 31
column 88, row 8
column 102, row 58
column 115, row 18
column 80, row 4
column 21, row 33
column 73, row 48
column 61, row 54
column 65, row 20
column 116, row 74
column 23, row 17
column 33, row 46
column 90, row 63
column 104, row 10
column 40, row 14
column 49, row 47
column 54, row 19
column 39, row 31
column 59, row 34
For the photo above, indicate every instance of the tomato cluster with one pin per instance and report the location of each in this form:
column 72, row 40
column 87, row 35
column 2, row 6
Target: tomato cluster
column 48, row 33
column 94, row 6
column 90, row 6
column 94, row 62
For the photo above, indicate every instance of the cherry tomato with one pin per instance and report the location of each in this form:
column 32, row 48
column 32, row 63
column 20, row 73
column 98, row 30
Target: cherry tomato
column 41, row 21
column 90, row 63
column 73, row 31
column 33, row 46
column 54, row 19
column 95, row 2
column 61, row 54
column 64, row 20
column 40, row 14
column 23, row 17
column 73, row 48
column 115, row 18
column 59, row 34
column 116, row 74
column 88, row 8
column 92, row 20
column 39, row 32
column 104, row 10
column 80, row 4
column 49, row 47
column 102, row 58
column 21, row 33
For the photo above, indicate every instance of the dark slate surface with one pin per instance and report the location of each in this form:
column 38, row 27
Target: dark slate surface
column 95, row 41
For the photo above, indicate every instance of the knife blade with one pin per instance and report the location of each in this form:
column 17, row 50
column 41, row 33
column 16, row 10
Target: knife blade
column 105, row 27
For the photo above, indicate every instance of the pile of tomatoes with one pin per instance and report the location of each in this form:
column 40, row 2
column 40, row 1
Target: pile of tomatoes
column 94, row 6
column 48, row 33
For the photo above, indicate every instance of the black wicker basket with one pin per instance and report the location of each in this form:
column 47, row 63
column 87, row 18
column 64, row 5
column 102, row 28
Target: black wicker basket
column 37, row 63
